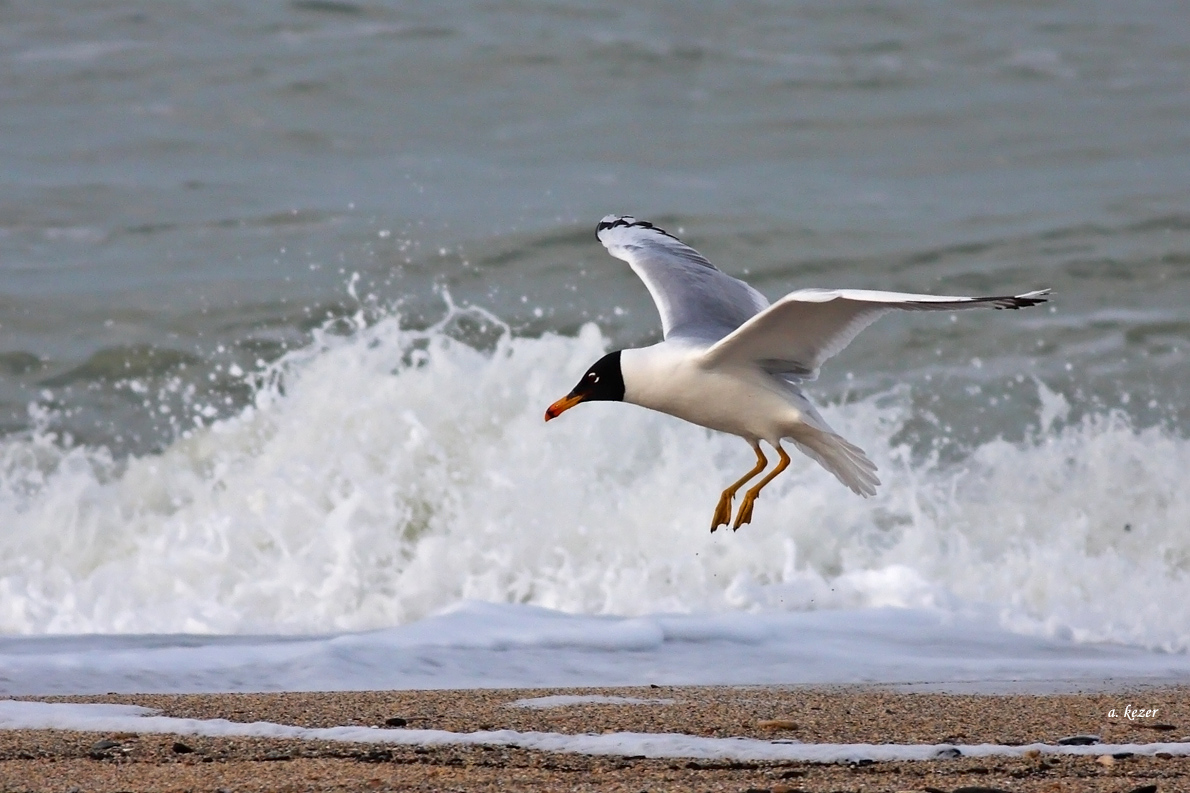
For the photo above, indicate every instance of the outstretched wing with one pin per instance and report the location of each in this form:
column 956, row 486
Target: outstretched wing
column 804, row 328
column 695, row 299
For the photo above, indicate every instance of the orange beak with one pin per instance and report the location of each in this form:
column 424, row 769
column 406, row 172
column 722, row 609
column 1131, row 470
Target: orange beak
column 562, row 405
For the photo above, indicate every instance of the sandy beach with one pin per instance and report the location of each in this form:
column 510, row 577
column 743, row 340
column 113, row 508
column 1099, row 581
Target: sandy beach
column 59, row 760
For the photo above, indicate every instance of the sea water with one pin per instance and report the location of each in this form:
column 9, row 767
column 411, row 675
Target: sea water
column 284, row 293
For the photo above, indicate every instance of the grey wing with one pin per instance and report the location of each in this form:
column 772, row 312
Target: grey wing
column 801, row 330
column 695, row 299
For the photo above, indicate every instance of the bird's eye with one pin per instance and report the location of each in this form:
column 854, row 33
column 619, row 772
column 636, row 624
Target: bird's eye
column 594, row 377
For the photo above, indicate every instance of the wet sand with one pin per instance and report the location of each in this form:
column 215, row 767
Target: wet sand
column 56, row 760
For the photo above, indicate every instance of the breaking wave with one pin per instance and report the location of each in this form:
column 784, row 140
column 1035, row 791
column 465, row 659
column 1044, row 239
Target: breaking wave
column 387, row 474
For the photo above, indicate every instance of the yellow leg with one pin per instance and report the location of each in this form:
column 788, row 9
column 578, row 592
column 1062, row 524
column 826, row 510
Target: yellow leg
column 723, row 511
column 745, row 514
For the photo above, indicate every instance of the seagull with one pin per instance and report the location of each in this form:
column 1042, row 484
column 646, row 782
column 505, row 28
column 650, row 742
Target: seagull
column 731, row 362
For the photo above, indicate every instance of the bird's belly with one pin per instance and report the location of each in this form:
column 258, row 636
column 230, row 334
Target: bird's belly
column 740, row 404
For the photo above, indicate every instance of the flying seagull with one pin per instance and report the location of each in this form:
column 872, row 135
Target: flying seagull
column 732, row 362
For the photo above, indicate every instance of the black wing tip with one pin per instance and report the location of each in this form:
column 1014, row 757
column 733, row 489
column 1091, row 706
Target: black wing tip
column 628, row 221
column 1026, row 300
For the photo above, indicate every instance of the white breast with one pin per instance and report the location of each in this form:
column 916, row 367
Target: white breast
column 745, row 401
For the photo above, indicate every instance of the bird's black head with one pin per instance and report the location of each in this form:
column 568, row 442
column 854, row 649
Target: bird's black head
column 603, row 382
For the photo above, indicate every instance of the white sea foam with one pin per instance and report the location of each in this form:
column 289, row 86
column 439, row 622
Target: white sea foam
column 133, row 719
column 567, row 700
column 488, row 645
column 383, row 476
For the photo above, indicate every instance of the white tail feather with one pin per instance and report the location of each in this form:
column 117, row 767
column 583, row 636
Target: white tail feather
column 845, row 460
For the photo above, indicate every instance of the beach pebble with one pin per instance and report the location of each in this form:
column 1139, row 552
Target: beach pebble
column 103, row 746
column 102, row 749
column 776, row 724
column 395, row 721
column 181, row 748
column 1106, row 760
column 1033, row 754
column 948, row 753
column 1079, row 740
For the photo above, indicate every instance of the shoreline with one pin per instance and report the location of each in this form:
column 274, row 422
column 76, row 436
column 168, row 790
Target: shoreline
column 107, row 760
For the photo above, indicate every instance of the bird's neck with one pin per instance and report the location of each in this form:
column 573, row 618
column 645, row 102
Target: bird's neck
column 650, row 374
